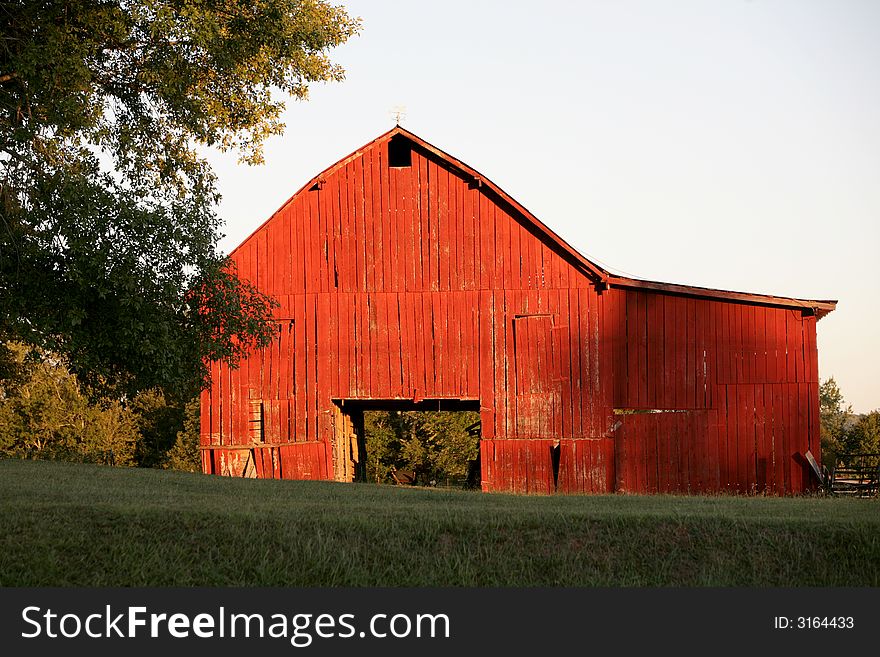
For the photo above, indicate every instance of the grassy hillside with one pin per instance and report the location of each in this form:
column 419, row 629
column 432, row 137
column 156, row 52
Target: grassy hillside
column 65, row 524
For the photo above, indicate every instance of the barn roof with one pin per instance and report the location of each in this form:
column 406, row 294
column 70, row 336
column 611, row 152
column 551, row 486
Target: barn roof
column 590, row 269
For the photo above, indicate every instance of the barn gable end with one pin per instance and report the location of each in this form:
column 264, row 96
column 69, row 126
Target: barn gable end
column 403, row 274
column 366, row 226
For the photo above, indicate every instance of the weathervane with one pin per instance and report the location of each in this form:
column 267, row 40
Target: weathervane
column 397, row 113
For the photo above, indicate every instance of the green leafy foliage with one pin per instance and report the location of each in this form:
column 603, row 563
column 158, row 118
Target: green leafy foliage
column 45, row 416
column 185, row 455
column 864, row 437
column 842, row 431
column 834, row 417
column 158, row 421
column 436, row 445
column 108, row 228
column 169, row 431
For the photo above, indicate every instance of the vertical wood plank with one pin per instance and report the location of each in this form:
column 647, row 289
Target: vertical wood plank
column 731, row 435
column 427, row 320
column 363, row 242
column 372, row 263
column 427, row 273
column 801, row 481
column 667, row 348
column 760, row 481
column 444, row 233
column 508, row 363
column 713, row 450
column 376, row 220
column 813, row 443
column 690, row 359
column 633, row 335
column 680, row 353
column 586, row 362
column 516, row 233
column 655, row 323
column 487, row 369
column 598, row 402
column 389, row 255
column 324, row 368
column 321, row 236
column 810, row 350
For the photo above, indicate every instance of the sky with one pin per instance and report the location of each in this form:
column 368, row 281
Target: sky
column 732, row 144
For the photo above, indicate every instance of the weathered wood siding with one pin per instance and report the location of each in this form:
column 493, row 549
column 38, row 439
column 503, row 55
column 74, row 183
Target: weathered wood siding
column 422, row 283
column 742, row 381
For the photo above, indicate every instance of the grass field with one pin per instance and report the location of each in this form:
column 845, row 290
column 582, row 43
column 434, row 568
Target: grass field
column 66, row 524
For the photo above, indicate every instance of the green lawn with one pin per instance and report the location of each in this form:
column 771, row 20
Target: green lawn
column 66, row 524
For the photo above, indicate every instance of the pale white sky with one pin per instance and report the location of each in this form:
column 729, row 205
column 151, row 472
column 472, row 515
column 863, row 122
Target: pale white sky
column 731, row 144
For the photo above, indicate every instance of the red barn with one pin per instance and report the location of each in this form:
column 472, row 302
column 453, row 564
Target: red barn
column 408, row 280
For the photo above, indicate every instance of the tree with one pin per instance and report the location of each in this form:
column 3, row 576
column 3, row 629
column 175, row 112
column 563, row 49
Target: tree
column 158, row 421
column 383, row 445
column 108, row 224
column 437, row 445
column 834, row 416
column 45, row 416
column 864, row 437
column 185, row 454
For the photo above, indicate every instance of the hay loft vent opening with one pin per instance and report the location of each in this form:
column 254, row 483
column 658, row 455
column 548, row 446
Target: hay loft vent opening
column 399, row 152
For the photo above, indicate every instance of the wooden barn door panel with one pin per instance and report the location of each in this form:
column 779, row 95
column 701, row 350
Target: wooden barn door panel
column 537, row 377
column 348, row 445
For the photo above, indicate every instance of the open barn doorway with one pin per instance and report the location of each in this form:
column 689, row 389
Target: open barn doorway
column 433, row 442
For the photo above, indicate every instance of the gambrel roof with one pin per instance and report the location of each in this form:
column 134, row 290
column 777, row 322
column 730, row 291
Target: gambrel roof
column 591, row 270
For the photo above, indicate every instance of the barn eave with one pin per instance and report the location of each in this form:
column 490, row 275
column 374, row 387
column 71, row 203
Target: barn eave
column 816, row 307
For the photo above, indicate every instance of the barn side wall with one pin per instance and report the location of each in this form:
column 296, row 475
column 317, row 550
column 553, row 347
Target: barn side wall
column 418, row 283
column 732, row 391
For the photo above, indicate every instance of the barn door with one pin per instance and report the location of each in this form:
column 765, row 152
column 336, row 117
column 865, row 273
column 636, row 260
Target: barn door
column 537, row 377
column 348, row 445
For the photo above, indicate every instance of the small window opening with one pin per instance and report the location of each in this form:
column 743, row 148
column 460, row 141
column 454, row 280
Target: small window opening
column 399, row 152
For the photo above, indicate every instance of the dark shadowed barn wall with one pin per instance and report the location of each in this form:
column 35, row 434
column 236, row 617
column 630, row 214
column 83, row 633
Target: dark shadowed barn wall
column 423, row 282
